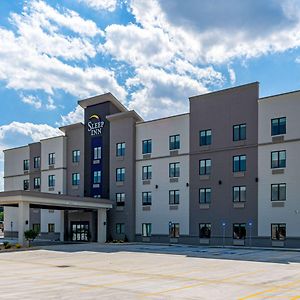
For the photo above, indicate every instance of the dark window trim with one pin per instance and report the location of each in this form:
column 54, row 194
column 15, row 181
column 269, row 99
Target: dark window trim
column 277, row 225
column 278, row 193
column 278, row 154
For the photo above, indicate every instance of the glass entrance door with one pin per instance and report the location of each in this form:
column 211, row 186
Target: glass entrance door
column 80, row 231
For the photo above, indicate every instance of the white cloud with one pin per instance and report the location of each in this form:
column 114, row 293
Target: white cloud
column 32, row 100
column 50, row 104
column 109, row 5
column 72, row 117
column 232, row 75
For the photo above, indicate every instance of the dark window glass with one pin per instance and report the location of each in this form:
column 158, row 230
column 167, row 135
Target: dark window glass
column 120, row 149
column 205, row 137
column 174, row 142
column 36, row 227
column 146, row 198
column 278, row 126
column 239, row 231
column 51, row 159
column 120, row 228
column 97, row 177
column 174, row 230
column 205, row 166
column 120, row 199
column 204, row 230
column 204, row 195
column 75, row 179
column 174, row 170
column 146, row 229
column 239, row 132
column 120, row 174
column 239, row 163
column 278, row 159
column 278, row 192
column 174, row 197
column 278, row 232
column 75, row 156
column 239, row 194
column 51, row 227
column 51, row 181
column 26, row 185
column 146, row 146
column 147, row 172
column 37, row 162
column 26, row 165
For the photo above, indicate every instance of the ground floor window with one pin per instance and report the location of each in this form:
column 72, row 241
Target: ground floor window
column 80, row 231
column 146, row 229
column 239, row 231
column 278, row 232
column 51, row 227
column 204, row 230
column 36, row 227
column 174, row 230
column 120, row 228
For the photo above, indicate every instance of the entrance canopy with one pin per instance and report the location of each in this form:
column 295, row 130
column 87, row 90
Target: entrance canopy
column 25, row 200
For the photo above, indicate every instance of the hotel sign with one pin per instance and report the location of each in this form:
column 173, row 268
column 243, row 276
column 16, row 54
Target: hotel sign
column 95, row 125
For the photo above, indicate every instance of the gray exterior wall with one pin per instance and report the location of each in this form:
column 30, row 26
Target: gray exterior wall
column 123, row 130
column 75, row 141
column 34, row 151
column 219, row 111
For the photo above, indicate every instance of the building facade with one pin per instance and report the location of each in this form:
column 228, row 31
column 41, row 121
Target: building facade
column 223, row 174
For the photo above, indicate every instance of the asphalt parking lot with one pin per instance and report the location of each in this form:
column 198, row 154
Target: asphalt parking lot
column 93, row 271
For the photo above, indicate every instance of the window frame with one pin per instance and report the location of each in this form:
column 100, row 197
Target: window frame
column 120, row 175
column 75, row 179
column 147, row 146
column 52, row 226
column 37, row 162
column 148, row 229
column 174, row 230
column 278, row 132
column 240, row 187
column 51, row 159
column 26, row 165
column 207, row 190
column 206, row 167
column 97, row 177
column 97, row 153
column 120, row 151
column 278, row 192
column 34, row 182
column 207, row 137
column 147, row 201
column 76, row 156
column 240, row 128
column 148, row 174
column 174, row 197
column 175, row 144
column 121, row 227
column 279, row 225
column 176, row 170
column 206, row 225
column 241, row 225
column 26, row 185
column 51, row 181
column 239, row 163
column 120, row 199
column 279, row 166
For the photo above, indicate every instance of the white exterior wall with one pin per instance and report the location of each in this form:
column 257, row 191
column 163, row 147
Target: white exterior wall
column 11, row 215
column 50, row 217
column 288, row 106
column 160, row 214
column 13, row 166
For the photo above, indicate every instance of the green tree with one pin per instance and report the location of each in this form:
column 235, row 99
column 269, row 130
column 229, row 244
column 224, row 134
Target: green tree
column 30, row 235
column 1, row 216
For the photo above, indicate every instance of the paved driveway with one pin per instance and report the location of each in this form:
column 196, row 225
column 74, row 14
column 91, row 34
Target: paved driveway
column 93, row 271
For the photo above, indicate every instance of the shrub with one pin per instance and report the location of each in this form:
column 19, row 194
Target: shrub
column 18, row 246
column 30, row 235
column 6, row 245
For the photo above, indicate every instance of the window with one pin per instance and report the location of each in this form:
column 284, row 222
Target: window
column 146, row 229
column 278, row 232
column 26, row 185
column 97, row 153
column 120, row 149
column 205, row 166
column 36, row 227
column 278, row 192
column 120, row 174
column 278, row 159
column 174, row 169
column 36, row 182
column 239, row 231
column 120, row 199
column 174, row 230
column 26, row 165
column 51, row 181
column 97, row 177
column 147, row 198
column 37, row 162
column 239, row 194
column 205, row 137
column 174, row 197
column 204, row 230
column 278, row 126
column 174, row 142
column 75, row 179
column 147, row 146
column 120, row 228
column 51, row 159
column 204, row 195
column 239, row 132
column 51, row 227
column 239, row 163
column 147, row 172
column 75, row 156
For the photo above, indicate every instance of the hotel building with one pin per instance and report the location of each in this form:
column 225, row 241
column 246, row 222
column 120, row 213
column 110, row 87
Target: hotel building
column 226, row 173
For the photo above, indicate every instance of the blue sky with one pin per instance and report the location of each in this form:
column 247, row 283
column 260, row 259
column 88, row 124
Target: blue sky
column 151, row 54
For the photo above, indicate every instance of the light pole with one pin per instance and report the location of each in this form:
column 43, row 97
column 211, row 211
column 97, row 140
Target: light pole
column 223, row 226
column 250, row 233
column 11, row 229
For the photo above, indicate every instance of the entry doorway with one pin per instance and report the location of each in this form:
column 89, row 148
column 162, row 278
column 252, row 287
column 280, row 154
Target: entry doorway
column 80, row 231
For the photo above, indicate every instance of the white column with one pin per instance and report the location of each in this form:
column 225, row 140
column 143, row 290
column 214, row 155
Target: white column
column 23, row 222
column 62, row 225
column 101, row 224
